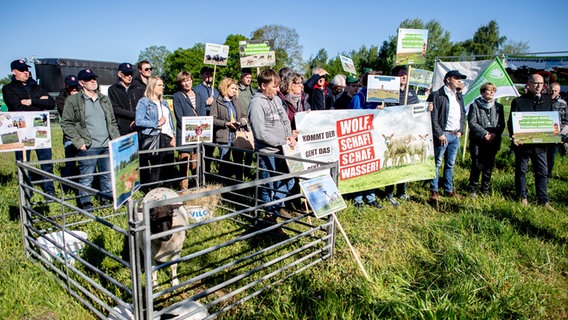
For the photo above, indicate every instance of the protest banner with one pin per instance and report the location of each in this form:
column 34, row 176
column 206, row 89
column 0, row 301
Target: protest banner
column 411, row 46
column 196, row 129
column 495, row 73
column 374, row 148
column 125, row 168
column 536, row 127
column 24, row 131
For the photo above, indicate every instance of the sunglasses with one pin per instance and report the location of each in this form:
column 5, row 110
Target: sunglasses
column 147, row 69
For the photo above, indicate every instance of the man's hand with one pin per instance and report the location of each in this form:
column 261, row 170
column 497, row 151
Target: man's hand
column 443, row 140
column 209, row 101
column 26, row 102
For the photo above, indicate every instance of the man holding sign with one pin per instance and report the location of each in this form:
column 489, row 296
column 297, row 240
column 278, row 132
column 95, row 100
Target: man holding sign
column 531, row 101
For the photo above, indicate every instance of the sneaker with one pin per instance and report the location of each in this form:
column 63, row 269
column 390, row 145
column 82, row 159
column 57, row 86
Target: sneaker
column 473, row 195
column 525, row 203
column 87, row 206
column 455, row 195
column 434, row 196
column 283, row 213
column 375, row 204
column 393, row 201
column 548, row 207
column 359, row 205
column 405, row 197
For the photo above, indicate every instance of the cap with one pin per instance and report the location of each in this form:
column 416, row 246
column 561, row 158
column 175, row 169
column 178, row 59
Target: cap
column 352, row 79
column 19, row 65
column 71, row 81
column 454, row 74
column 126, row 68
column 86, row 74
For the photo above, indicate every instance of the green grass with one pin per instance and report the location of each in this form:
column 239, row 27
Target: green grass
column 484, row 258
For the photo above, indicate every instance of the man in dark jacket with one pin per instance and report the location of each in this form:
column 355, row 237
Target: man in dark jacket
column 24, row 94
column 124, row 96
column 533, row 100
column 448, row 121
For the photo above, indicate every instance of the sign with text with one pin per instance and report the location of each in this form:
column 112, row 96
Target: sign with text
column 411, row 46
column 420, row 78
column 256, row 53
column 125, row 168
column 24, row 130
column 197, row 129
column 216, row 54
column 322, row 195
column 536, row 127
column 348, row 65
column 374, row 148
column 383, row 89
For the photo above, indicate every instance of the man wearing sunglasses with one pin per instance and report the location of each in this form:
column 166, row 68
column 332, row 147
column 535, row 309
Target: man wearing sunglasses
column 144, row 72
column 124, row 96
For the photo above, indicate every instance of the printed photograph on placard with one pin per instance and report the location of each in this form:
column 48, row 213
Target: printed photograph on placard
column 125, row 168
column 348, row 65
column 536, row 127
column 420, row 78
column 383, row 88
column 322, row 195
column 411, row 46
column 197, row 129
column 24, row 130
column 216, row 54
column 256, row 53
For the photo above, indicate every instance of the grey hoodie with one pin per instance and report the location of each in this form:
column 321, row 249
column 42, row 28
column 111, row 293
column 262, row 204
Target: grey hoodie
column 269, row 123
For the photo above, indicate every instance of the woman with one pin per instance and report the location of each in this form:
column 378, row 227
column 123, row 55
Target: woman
column 153, row 118
column 293, row 97
column 486, row 122
column 228, row 116
column 186, row 104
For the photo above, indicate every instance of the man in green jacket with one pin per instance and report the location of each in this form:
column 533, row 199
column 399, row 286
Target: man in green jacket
column 88, row 122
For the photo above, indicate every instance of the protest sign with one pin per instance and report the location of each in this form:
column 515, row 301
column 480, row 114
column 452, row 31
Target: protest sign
column 24, row 130
column 348, row 65
column 256, row 53
column 216, row 54
column 196, row 129
column 536, row 127
column 374, row 148
column 322, row 195
column 411, row 46
column 383, row 89
column 125, row 168
column 420, row 78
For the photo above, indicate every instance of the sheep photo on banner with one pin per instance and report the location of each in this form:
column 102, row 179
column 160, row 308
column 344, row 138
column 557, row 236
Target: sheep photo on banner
column 374, row 148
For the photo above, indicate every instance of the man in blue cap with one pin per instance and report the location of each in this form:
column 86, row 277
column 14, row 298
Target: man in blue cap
column 124, row 96
column 23, row 94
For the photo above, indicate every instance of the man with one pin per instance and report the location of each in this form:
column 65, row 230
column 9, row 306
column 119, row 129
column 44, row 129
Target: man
column 533, row 100
column 558, row 104
column 23, row 94
column 207, row 96
column 124, row 96
column 403, row 99
column 351, row 88
column 88, row 121
column 245, row 88
column 448, row 120
column 271, row 129
column 144, row 72
column 71, row 88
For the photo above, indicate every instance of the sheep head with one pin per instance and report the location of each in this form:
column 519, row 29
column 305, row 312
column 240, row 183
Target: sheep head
column 161, row 219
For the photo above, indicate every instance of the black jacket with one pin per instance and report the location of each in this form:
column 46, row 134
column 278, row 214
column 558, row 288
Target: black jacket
column 124, row 104
column 441, row 110
column 15, row 91
column 317, row 98
column 529, row 102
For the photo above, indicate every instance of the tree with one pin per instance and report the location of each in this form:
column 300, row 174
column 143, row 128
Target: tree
column 7, row 79
column 190, row 60
column 515, row 48
column 285, row 43
column 486, row 40
column 156, row 56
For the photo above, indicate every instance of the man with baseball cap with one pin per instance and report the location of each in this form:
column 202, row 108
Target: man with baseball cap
column 88, row 122
column 23, row 94
column 448, row 121
column 124, row 96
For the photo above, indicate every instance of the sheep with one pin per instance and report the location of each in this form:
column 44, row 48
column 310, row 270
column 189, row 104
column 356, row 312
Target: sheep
column 162, row 219
column 418, row 148
column 396, row 148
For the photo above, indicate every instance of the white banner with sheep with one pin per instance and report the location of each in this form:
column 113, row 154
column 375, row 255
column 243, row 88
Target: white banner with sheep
column 374, row 148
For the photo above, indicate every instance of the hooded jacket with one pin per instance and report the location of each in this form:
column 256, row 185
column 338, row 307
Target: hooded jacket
column 269, row 123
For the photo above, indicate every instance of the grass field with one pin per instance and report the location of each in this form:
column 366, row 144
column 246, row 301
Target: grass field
column 484, row 258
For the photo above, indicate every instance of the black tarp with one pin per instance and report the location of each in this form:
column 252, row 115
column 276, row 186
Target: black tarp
column 50, row 72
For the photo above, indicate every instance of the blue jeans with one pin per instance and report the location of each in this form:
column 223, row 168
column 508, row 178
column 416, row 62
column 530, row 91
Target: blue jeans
column 87, row 169
column 369, row 196
column 274, row 190
column 42, row 154
column 448, row 154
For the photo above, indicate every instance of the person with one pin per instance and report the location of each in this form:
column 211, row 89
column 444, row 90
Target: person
column 316, row 88
column 558, row 104
column 486, row 122
column 228, row 116
column 359, row 101
column 23, row 94
column 448, row 121
column 153, row 118
column 336, row 86
column 293, row 97
column 208, row 95
column 531, row 101
column 246, row 91
column 404, row 98
column 88, row 122
column 124, row 96
column 186, row 103
column 351, row 88
column 271, row 129
column 71, row 88
column 144, row 73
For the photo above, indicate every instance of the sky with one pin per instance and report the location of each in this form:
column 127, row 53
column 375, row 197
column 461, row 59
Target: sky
column 119, row 30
